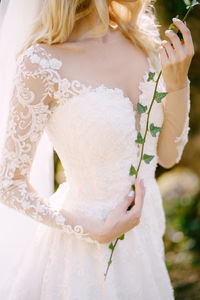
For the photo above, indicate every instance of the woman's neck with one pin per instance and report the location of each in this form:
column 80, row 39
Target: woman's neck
column 87, row 24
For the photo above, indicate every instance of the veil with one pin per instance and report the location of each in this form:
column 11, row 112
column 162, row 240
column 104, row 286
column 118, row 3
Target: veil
column 17, row 230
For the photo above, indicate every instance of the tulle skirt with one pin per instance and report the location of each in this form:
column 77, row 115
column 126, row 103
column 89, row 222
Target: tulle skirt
column 59, row 266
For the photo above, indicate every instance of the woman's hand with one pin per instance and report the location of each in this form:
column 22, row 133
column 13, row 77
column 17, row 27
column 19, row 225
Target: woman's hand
column 120, row 220
column 176, row 58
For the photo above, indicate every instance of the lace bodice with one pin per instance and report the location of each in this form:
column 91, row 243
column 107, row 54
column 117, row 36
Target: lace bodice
column 93, row 130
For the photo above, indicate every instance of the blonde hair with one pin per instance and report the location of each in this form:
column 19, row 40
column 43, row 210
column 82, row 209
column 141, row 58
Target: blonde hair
column 136, row 21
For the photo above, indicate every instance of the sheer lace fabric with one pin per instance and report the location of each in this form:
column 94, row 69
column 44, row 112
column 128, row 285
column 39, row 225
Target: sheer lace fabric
column 31, row 106
column 176, row 124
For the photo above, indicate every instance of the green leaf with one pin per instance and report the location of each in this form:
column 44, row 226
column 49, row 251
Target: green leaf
column 122, row 237
column 140, row 139
column 141, row 108
column 110, row 262
column 193, row 4
column 132, row 171
column 176, row 30
column 111, row 246
column 154, row 130
column 151, row 76
column 133, row 187
column 147, row 158
column 159, row 96
column 173, row 27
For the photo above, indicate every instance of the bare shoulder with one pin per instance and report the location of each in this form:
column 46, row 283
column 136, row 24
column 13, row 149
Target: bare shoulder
column 60, row 49
column 73, row 57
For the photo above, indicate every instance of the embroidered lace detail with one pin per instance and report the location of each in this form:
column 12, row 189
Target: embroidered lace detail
column 31, row 106
column 177, row 106
column 182, row 140
column 68, row 89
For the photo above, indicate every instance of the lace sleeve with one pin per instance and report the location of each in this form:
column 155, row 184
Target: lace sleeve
column 174, row 135
column 29, row 110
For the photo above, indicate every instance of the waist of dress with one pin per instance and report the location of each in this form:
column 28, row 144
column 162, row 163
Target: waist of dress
column 89, row 205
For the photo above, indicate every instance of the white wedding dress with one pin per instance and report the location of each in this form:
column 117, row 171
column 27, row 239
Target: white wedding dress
column 93, row 130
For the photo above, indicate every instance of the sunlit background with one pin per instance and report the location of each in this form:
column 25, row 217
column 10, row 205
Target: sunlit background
column 180, row 185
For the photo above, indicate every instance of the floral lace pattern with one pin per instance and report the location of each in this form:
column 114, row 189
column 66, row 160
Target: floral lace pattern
column 29, row 112
column 182, row 140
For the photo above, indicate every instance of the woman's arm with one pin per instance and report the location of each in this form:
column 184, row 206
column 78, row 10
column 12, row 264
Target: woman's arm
column 30, row 109
column 174, row 134
column 176, row 59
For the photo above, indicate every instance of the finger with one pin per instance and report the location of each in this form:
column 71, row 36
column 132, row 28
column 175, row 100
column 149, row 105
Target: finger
column 169, row 50
column 185, row 33
column 176, row 43
column 140, row 192
column 136, row 211
column 163, row 56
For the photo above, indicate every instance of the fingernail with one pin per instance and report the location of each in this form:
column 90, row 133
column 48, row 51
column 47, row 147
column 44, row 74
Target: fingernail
column 131, row 193
column 175, row 19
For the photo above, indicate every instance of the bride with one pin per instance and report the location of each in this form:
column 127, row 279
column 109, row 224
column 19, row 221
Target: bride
column 79, row 77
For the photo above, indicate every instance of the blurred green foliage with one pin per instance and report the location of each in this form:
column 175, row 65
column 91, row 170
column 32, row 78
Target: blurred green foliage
column 166, row 10
column 182, row 245
column 190, row 222
column 182, row 238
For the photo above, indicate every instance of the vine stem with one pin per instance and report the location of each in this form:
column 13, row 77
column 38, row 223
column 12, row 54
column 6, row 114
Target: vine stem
column 147, row 124
column 110, row 259
column 138, row 168
column 144, row 139
column 187, row 14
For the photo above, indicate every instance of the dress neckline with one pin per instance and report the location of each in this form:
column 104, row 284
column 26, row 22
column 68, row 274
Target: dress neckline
column 78, row 87
column 141, row 99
